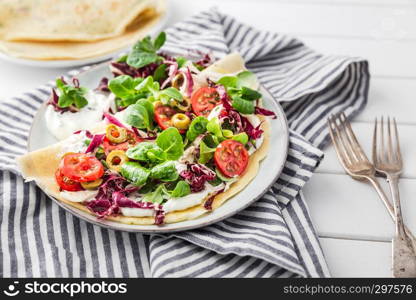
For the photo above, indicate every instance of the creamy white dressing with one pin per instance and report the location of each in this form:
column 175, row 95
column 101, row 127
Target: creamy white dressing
column 62, row 125
column 74, row 143
column 80, row 196
column 137, row 212
column 190, row 200
column 215, row 112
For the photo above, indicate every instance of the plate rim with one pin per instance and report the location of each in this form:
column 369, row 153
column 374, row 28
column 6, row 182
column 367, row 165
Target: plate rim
column 105, row 224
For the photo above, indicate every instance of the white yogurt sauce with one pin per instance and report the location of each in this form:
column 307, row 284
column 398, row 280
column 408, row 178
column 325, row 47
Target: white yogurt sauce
column 190, row 200
column 75, row 143
column 137, row 212
column 62, row 125
column 80, row 196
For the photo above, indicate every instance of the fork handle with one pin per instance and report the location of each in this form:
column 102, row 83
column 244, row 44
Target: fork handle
column 393, row 181
column 390, row 208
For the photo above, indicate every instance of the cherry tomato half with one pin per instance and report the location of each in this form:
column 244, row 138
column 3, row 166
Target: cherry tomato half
column 132, row 139
column 67, row 184
column 231, row 158
column 81, row 167
column 163, row 117
column 204, row 100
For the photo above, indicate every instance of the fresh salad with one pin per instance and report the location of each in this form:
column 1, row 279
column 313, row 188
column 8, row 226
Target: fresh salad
column 174, row 138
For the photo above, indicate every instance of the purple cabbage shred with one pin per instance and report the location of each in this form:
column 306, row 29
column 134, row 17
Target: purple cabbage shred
column 196, row 175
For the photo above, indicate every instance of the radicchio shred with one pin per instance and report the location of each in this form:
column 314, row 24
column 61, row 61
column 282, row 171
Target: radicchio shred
column 196, row 175
column 112, row 195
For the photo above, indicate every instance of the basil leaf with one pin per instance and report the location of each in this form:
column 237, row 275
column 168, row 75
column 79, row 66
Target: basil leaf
column 70, row 95
column 249, row 94
column 156, row 196
column 246, row 78
column 181, row 61
column 144, row 52
column 139, row 58
column 64, row 101
column 241, row 137
column 182, row 189
column 134, row 173
column 124, row 86
column 205, row 153
column 198, row 126
column 171, row 92
column 137, row 116
column 159, row 41
column 228, row 81
column 214, row 127
column 160, row 73
column 171, row 142
column 146, row 151
column 79, row 100
column 149, row 107
column 243, row 106
column 165, row 171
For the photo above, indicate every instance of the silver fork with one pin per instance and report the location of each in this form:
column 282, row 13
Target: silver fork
column 388, row 161
column 355, row 162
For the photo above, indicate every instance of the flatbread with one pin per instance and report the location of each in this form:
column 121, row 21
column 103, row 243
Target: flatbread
column 41, row 165
column 67, row 20
column 139, row 28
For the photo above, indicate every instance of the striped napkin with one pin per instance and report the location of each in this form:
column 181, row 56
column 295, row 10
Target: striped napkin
column 274, row 237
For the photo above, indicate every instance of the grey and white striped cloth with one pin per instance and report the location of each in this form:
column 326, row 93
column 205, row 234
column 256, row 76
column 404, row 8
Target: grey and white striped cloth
column 273, row 238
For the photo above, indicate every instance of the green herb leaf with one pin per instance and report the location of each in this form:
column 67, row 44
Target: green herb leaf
column 215, row 128
column 241, row 137
column 205, row 153
column 249, row 94
column 228, row 81
column 243, row 106
column 144, row 52
column 70, row 95
column 165, row 172
column 171, row 93
column 157, row 196
column 181, row 61
column 160, row 73
column 134, row 173
column 146, row 152
column 182, row 189
column 198, row 126
column 170, row 140
column 137, row 116
column 159, row 41
column 124, row 86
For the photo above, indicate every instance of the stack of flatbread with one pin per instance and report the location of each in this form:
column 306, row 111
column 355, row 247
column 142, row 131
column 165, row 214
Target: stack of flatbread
column 75, row 29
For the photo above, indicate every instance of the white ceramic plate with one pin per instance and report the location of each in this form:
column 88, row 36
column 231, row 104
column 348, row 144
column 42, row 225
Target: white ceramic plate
column 270, row 167
column 86, row 61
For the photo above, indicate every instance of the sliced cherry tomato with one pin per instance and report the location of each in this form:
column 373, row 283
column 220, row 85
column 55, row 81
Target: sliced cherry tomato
column 67, row 184
column 231, row 158
column 132, row 139
column 81, row 167
column 204, row 100
column 163, row 117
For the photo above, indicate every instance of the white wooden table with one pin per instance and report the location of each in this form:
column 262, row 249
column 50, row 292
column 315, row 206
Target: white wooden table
column 353, row 225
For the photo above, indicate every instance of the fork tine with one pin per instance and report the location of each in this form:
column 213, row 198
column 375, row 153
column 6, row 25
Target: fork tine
column 382, row 155
column 339, row 149
column 398, row 151
column 375, row 159
column 355, row 145
column 345, row 140
column 389, row 142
